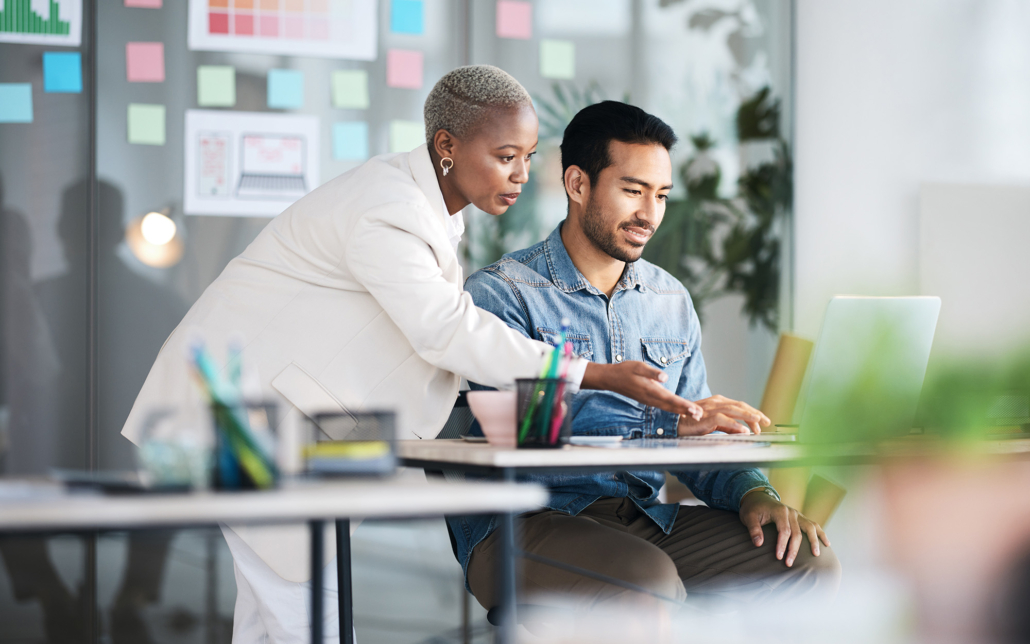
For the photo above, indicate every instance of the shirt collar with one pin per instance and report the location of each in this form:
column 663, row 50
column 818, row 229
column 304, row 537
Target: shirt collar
column 567, row 277
column 425, row 177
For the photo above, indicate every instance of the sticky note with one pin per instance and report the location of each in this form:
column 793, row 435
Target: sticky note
column 350, row 89
column 144, row 4
column 145, row 62
column 15, row 102
column 406, row 17
column 285, row 89
column 557, row 59
column 62, row 72
column 350, row 141
column 146, row 124
column 514, row 19
column 405, row 136
column 404, row 69
column 216, row 86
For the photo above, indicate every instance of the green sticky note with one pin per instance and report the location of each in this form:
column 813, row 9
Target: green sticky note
column 350, row 89
column 216, row 86
column 146, row 124
column 405, row 136
column 557, row 59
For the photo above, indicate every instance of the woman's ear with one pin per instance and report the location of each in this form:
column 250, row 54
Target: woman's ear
column 577, row 185
column 444, row 143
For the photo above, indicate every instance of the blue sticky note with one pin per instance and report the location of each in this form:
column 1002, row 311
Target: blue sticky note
column 406, row 17
column 15, row 102
column 62, row 72
column 285, row 89
column 350, row 141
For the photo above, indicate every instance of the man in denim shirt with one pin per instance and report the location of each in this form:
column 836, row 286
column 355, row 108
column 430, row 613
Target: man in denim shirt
column 745, row 544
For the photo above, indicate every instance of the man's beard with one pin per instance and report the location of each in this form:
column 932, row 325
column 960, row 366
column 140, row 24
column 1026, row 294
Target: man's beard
column 605, row 239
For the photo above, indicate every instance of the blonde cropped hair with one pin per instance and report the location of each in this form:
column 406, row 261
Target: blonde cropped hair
column 461, row 99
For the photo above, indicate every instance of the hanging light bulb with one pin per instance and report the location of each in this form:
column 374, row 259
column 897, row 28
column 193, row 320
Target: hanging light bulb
column 157, row 228
column 154, row 239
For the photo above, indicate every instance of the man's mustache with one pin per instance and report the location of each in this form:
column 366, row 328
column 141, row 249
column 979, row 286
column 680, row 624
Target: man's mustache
column 638, row 223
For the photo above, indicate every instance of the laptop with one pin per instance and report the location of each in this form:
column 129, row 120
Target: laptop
column 867, row 369
column 272, row 166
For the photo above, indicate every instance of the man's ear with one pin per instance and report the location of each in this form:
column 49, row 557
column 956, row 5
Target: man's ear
column 577, row 184
column 444, row 143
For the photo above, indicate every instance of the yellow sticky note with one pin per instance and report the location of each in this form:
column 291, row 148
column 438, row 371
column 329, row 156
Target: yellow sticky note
column 350, row 89
column 557, row 59
column 405, row 136
column 216, row 86
column 146, row 124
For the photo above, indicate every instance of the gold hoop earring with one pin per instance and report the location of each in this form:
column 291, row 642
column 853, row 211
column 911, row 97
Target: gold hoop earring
column 446, row 168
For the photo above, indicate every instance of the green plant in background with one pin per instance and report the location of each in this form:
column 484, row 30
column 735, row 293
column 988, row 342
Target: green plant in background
column 719, row 246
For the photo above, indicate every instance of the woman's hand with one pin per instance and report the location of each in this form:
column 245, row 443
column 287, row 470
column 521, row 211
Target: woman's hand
column 640, row 382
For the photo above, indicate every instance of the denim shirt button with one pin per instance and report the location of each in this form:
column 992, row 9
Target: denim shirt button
column 659, row 431
column 618, row 357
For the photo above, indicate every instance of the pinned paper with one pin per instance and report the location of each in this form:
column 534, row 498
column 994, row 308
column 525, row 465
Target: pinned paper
column 146, row 124
column 406, row 17
column 144, row 4
column 15, row 102
column 350, row 141
column 557, row 59
column 404, row 69
column 145, row 62
column 405, row 136
column 62, row 72
column 350, row 89
column 285, row 89
column 514, row 19
column 216, row 86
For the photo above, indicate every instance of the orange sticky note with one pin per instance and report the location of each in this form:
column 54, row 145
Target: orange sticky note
column 404, row 69
column 145, row 62
column 514, row 19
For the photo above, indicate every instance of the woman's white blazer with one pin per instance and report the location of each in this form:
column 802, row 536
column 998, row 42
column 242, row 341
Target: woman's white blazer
column 351, row 299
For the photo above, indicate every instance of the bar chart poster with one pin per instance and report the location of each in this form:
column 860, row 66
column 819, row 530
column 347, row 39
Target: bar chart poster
column 323, row 28
column 41, row 22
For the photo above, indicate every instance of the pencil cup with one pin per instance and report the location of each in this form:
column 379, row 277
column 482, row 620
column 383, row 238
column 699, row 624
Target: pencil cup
column 544, row 412
column 244, row 446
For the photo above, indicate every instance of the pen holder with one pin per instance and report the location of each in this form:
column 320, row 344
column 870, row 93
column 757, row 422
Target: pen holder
column 544, row 412
column 244, row 446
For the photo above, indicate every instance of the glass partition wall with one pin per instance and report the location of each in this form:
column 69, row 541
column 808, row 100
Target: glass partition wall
column 84, row 308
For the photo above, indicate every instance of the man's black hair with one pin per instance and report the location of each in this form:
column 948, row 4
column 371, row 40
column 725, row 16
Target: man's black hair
column 587, row 137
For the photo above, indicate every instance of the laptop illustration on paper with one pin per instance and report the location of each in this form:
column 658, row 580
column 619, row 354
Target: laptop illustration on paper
column 272, row 167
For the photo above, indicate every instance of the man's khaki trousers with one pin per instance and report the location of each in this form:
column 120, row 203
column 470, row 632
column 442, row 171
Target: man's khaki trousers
column 708, row 555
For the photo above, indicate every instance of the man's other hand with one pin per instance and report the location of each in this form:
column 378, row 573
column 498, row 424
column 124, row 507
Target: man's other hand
column 758, row 508
column 725, row 415
column 640, row 382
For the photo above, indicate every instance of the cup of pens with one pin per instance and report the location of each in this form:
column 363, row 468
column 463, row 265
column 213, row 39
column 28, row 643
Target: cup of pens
column 543, row 418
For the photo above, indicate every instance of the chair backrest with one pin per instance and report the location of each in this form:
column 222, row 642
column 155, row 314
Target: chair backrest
column 460, row 420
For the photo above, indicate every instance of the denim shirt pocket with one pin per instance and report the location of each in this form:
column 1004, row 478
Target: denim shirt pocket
column 581, row 346
column 663, row 353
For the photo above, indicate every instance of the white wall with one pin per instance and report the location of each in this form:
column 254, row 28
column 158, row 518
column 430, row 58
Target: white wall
column 890, row 94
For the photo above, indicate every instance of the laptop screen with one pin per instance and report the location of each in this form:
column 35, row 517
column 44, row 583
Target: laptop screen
column 273, row 154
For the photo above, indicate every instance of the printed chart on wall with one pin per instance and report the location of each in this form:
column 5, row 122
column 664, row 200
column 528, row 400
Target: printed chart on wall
column 41, row 22
column 250, row 164
column 324, row 28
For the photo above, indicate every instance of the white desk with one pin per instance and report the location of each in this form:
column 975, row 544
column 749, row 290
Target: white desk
column 28, row 507
column 463, row 455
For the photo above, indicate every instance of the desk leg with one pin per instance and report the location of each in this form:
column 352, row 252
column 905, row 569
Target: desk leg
column 343, row 582
column 317, row 583
column 506, row 578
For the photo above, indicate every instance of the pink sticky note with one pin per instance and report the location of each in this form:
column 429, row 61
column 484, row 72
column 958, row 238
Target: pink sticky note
column 145, row 62
column 144, row 4
column 404, row 68
column 514, row 19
